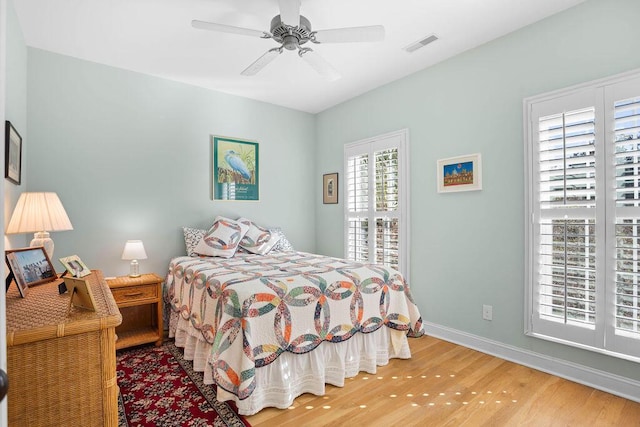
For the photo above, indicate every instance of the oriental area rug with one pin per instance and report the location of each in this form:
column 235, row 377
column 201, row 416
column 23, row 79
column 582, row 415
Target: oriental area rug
column 158, row 387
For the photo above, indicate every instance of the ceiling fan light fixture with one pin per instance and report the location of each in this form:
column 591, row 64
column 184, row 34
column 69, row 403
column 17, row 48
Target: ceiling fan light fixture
column 290, row 42
column 292, row 37
column 280, row 30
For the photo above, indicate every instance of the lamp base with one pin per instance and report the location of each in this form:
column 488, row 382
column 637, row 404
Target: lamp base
column 134, row 270
column 42, row 238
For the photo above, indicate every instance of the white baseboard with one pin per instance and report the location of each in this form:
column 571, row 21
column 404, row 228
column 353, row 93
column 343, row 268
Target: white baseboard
column 601, row 380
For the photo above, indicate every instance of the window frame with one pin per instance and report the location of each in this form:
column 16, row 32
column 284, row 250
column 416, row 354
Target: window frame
column 400, row 140
column 600, row 94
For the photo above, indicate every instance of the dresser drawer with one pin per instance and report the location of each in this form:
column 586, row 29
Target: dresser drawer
column 135, row 293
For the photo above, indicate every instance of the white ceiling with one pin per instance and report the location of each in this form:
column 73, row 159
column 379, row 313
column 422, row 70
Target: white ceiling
column 155, row 37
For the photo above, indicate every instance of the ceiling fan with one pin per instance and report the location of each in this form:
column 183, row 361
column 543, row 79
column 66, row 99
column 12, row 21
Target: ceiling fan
column 292, row 31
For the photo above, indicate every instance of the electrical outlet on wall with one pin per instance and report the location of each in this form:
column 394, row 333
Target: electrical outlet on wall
column 487, row 312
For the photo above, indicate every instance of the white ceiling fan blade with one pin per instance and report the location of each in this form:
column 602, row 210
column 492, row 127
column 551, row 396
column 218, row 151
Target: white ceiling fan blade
column 262, row 62
column 373, row 33
column 211, row 26
column 290, row 12
column 318, row 63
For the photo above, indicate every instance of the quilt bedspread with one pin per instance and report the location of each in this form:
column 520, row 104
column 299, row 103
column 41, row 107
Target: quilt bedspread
column 252, row 308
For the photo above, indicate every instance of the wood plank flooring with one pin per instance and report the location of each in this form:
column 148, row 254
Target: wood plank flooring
column 444, row 384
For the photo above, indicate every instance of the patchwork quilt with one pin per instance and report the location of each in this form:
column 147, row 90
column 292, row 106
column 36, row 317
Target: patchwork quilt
column 252, row 308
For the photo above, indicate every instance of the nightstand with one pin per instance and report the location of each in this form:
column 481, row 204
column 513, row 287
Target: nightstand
column 140, row 302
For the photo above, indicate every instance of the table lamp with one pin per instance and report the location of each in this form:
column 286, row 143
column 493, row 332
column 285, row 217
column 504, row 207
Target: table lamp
column 134, row 250
column 39, row 213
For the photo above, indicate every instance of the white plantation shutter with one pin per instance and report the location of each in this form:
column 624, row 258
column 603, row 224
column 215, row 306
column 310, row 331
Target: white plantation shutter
column 358, row 183
column 583, row 214
column 624, row 329
column 567, row 245
column 567, row 160
column 376, row 207
column 358, row 239
column 387, row 195
column 357, row 201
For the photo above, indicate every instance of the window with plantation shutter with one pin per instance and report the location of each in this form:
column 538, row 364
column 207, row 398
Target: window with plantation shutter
column 583, row 216
column 376, row 203
column 626, row 142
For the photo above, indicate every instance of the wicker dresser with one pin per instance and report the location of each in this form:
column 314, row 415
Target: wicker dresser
column 61, row 363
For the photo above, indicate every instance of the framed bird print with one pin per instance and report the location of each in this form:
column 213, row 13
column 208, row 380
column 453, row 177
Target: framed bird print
column 235, row 169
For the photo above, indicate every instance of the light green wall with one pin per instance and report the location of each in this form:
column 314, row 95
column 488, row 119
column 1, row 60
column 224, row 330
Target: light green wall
column 467, row 249
column 129, row 156
column 16, row 113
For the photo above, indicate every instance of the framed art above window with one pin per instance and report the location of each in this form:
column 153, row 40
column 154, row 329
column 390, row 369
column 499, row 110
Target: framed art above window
column 12, row 154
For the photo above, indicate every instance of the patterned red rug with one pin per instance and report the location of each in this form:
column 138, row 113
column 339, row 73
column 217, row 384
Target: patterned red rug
column 158, row 387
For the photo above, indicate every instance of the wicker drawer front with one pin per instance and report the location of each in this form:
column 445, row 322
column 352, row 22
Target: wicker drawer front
column 135, row 293
column 62, row 360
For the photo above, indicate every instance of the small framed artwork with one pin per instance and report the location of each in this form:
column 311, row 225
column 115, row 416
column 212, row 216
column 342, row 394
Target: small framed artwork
column 81, row 294
column 463, row 173
column 236, row 169
column 12, row 154
column 75, row 266
column 330, row 188
column 29, row 267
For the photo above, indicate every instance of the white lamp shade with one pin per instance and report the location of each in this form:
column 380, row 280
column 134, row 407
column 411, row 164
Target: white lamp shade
column 36, row 212
column 134, row 249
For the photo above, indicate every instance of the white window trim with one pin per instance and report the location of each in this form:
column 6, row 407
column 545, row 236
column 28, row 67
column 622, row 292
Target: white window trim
column 378, row 143
column 603, row 325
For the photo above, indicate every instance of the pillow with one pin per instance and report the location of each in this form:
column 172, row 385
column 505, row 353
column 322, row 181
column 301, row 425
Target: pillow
column 191, row 238
column 222, row 239
column 258, row 240
column 283, row 244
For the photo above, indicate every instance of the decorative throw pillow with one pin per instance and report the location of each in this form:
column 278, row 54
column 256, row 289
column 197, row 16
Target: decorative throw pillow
column 191, row 238
column 258, row 240
column 283, row 244
column 222, row 239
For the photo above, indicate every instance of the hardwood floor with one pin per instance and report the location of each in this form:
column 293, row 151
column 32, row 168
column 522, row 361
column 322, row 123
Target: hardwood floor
column 444, row 384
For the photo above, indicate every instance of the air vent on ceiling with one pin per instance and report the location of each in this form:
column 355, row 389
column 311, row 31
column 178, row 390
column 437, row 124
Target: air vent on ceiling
column 421, row 43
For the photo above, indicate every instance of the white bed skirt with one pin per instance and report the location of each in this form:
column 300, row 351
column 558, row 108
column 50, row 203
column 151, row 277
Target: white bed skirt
column 291, row 375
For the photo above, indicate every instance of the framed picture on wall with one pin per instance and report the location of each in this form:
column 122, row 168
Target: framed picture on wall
column 330, row 188
column 236, row 171
column 463, row 173
column 12, row 154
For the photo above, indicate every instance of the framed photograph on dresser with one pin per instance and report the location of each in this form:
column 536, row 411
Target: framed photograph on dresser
column 29, row 267
column 75, row 266
column 81, row 295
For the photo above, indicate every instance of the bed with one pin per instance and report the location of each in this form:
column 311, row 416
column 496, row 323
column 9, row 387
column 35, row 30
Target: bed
column 266, row 328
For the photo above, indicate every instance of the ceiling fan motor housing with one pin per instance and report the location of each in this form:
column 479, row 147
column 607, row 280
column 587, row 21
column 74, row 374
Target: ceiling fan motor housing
column 291, row 37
